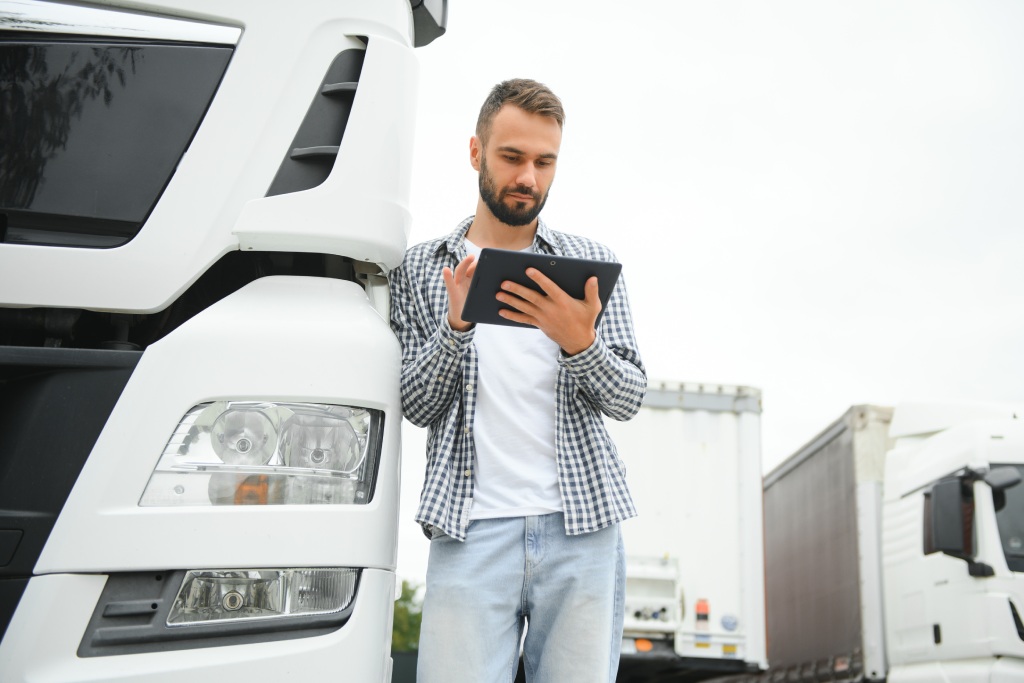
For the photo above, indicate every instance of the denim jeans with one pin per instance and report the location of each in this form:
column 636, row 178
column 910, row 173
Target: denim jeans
column 523, row 571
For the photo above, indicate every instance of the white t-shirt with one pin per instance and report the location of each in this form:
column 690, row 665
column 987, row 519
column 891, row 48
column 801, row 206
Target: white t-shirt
column 514, row 424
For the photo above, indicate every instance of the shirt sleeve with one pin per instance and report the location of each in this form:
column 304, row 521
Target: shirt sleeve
column 610, row 372
column 432, row 351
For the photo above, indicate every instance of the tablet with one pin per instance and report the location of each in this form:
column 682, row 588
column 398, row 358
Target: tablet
column 494, row 266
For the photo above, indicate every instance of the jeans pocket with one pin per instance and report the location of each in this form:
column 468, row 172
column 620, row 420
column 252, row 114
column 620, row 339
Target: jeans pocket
column 436, row 532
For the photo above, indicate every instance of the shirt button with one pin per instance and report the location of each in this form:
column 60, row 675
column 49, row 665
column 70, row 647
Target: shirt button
column 440, row 378
column 469, row 387
column 469, row 473
column 466, row 429
column 452, row 342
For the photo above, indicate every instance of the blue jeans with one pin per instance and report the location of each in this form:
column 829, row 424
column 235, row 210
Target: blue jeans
column 511, row 572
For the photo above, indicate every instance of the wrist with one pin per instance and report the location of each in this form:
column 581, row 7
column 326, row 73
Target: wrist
column 459, row 325
column 580, row 346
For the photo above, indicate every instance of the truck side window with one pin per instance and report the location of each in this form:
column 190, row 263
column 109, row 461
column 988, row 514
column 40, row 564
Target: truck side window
column 1009, row 505
column 954, row 524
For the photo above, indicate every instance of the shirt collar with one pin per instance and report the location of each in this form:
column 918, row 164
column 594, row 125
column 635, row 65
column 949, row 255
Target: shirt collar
column 545, row 240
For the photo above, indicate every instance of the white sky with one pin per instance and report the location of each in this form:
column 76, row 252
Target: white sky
column 819, row 199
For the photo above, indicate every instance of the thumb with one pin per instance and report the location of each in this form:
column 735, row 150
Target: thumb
column 590, row 293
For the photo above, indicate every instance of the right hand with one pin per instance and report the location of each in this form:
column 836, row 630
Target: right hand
column 457, row 284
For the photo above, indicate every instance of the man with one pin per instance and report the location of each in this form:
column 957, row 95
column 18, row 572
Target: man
column 524, row 490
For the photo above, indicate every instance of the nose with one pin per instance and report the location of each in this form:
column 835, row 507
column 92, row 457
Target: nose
column 527, row 176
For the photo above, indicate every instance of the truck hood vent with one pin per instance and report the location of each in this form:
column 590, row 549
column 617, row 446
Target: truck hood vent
column 315, row 147
column 1016, row 620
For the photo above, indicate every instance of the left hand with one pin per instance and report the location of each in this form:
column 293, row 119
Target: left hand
column 567, row 321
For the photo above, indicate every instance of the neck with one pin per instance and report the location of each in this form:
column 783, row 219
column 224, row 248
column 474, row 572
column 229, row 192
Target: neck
column 487, row 231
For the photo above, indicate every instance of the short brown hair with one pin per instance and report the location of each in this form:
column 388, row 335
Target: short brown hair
column 530, row 96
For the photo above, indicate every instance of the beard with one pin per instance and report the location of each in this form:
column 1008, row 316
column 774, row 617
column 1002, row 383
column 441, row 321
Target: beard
column 520, row 213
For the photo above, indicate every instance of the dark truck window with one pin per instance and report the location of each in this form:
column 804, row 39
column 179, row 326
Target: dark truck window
column 1009, row 505
column 92, row 133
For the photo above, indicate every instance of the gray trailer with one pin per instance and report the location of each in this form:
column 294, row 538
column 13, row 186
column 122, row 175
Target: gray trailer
column 823, row 572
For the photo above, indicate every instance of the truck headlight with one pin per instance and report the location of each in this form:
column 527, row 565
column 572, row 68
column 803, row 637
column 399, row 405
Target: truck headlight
column 268, row 453
column 219, row 594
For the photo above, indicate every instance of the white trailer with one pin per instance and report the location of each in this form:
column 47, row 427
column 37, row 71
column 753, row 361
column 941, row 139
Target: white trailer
column 893, row 549
column 695, row 572
column 199, row 390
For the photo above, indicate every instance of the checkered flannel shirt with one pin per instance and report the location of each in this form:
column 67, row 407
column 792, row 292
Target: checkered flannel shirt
column 439, row 381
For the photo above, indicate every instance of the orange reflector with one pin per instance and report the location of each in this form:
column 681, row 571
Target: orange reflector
column 644, row 645
column 252, row 491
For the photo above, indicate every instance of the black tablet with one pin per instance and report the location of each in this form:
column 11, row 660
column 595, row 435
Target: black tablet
column 494, row 266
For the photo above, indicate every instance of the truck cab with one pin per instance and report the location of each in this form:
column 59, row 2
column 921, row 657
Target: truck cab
column 200, row 201
column 954, row 510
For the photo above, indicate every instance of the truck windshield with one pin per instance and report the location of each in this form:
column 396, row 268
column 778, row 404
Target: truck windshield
column 1010, row 518
column 92, row 132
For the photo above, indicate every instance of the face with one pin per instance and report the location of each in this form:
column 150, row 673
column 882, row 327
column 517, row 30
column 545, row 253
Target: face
column 517, row 165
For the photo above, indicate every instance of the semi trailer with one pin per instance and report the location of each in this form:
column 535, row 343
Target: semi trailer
column 894, row 544
column 694, row 601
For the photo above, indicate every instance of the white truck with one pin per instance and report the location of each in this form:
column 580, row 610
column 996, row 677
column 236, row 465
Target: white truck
column 894, row 549
column 695, row 569
column 199, row 405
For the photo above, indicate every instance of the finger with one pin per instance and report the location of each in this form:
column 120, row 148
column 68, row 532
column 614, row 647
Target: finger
column 591, row 293
column 450, row 283
column 516, row 316
column 544, row 282
column 520, row 292
column 465, row 267
column 515, row 302
column 470, row 269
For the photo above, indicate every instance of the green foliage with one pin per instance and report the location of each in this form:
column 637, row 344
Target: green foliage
column 405, row 636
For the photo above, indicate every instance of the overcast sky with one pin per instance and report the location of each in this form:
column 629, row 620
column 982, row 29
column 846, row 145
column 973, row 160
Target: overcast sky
column 819, row 199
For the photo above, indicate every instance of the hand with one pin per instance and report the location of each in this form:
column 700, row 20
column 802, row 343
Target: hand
column 457, row 284
column 566, row 321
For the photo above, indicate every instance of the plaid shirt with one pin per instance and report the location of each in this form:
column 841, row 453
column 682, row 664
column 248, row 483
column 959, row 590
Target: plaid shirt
column 439, row 378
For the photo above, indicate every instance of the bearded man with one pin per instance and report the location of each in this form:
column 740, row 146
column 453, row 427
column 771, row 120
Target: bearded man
column 524, row 490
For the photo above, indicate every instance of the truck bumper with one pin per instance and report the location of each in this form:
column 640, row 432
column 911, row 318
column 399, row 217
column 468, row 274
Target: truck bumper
column 45, row 633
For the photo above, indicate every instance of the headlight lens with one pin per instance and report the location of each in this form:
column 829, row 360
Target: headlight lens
column 219, row 594
column 243, row 437
column 268, row 453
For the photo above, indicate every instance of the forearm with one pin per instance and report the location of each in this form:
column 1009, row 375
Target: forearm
column 612, row 378
column 431, row 351
column 610, row 371
column 432, row 376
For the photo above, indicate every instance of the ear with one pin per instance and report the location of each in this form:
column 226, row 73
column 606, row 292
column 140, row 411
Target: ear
column 476, row 151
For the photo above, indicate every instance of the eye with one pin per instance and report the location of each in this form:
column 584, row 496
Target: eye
column 511, row 158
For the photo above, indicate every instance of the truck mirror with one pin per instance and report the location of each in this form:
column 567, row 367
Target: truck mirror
column 1002, row 478
column 951, row 532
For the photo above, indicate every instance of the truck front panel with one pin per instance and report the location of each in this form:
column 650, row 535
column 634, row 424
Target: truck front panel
column 200, row 203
